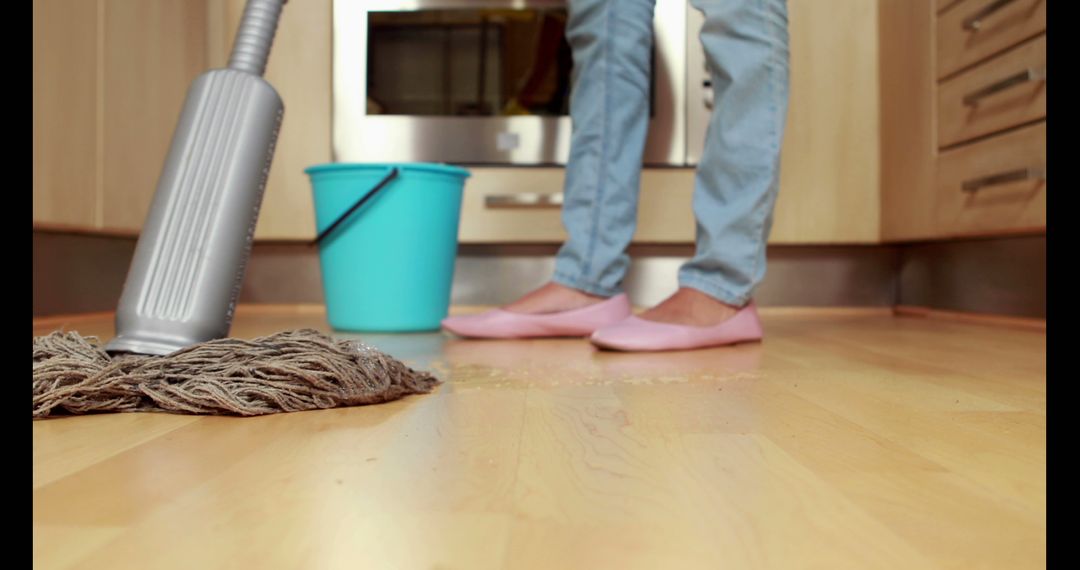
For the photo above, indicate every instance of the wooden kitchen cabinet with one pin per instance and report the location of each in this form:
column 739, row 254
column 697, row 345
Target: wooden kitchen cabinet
column 151, row 52
column 1016, row 205
column 990, row 168
column 664, row 207
column 830, row 160
column 961, row 119
column 65, row 162
column 110, row 77
column 971, row 31
column 871, row 115
column 964, row 114
column 906, row 40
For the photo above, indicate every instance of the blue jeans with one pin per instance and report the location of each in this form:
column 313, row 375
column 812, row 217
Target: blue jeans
column 746, row 47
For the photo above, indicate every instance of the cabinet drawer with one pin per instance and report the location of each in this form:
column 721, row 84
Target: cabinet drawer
column 992, row 186
column 523, row 205
column 1004, row 92
column 974, row 30
column 482, row 222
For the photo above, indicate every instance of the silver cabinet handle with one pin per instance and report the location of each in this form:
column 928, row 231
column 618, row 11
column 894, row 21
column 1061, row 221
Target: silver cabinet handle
column 1004, row 178
column 974, row 22
column 526, row 201
column 1025, row 76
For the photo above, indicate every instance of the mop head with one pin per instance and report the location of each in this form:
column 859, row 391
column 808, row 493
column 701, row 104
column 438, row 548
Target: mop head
column 285, row 372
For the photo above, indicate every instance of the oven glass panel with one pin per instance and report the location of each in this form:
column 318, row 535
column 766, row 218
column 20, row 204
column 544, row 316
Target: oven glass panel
column 463, row 62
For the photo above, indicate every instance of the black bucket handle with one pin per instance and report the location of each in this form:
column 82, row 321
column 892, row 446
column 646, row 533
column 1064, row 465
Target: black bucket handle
column 382, row 183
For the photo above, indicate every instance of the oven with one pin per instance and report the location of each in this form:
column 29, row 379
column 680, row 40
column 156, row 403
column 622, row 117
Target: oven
column 486, row 82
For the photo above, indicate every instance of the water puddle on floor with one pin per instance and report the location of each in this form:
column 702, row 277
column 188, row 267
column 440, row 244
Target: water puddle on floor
column 514, row 364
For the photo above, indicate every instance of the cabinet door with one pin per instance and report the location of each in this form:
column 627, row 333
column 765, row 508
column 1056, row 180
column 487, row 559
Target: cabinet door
column 975, row 30
column 110, row 77
column 512, row 205
column 994, row 186
column 65, row 167
column 829, row 173
column 1005, row 92
column 829, row 161
column 152, row 51
column 907, row 126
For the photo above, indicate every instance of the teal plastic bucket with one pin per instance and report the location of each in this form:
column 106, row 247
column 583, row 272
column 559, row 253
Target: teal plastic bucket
column 389, row 265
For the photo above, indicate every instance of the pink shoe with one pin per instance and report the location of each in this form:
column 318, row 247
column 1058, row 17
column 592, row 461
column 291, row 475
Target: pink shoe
column 637, row 334
column 498, row 323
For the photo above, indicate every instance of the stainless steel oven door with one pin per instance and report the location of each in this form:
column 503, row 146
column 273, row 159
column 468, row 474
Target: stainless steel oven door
column 364, row 130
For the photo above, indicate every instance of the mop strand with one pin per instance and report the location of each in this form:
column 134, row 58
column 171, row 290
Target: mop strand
column 285, row 372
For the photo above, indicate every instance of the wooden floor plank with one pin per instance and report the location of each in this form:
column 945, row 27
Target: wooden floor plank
column 63, row 447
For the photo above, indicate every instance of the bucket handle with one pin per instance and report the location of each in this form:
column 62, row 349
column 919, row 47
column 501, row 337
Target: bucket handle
column 367, row 196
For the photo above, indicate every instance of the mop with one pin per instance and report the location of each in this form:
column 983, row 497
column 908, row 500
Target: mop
column 285, row 372
column 179, row 298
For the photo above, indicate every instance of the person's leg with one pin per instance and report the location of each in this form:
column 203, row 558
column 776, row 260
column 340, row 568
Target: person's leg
column 611, row 42
column 746, row 47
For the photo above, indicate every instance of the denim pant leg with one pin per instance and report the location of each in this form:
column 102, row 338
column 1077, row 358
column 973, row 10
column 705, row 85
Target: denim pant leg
column 611, row 42
column 746, row 47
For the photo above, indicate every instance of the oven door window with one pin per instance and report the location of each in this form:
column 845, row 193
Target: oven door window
column 469, row 62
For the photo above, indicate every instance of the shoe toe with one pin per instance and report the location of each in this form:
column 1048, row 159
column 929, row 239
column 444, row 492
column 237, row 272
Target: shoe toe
column 465, row 325
column 623, row 335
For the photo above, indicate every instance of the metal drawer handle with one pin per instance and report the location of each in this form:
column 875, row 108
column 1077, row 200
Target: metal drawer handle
column 525, row 201
column 1025, row 76
column 1004, row 178
column 974, row 22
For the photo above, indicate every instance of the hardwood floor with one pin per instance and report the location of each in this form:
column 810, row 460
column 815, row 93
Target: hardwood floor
column 849, row 441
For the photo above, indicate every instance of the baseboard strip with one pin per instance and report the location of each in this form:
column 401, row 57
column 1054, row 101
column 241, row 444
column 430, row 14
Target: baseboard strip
column 974, row 318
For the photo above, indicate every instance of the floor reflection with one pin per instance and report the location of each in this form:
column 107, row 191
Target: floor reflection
column 721, row 360
column 418, row 350
column 556, row 361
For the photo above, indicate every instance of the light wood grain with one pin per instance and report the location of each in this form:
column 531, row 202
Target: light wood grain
column 942, row 5
column 829, row 172
column 152, row 53
column 958, row 48
column 840, row 442
column 66, row 448
column 1016, row 205
column 1017, row 105
column 65, row 90
column 908, row 146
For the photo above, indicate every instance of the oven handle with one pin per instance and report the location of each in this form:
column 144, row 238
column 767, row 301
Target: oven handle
column 973, row 23
column 1031, row 173
column 1025, row 76
column 523, row 201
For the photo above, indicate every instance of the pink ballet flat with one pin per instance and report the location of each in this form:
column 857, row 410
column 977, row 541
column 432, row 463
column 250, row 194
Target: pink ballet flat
column 637, row 334
column 498, row 323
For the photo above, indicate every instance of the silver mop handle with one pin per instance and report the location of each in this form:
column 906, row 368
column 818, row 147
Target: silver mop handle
column 252, row 45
